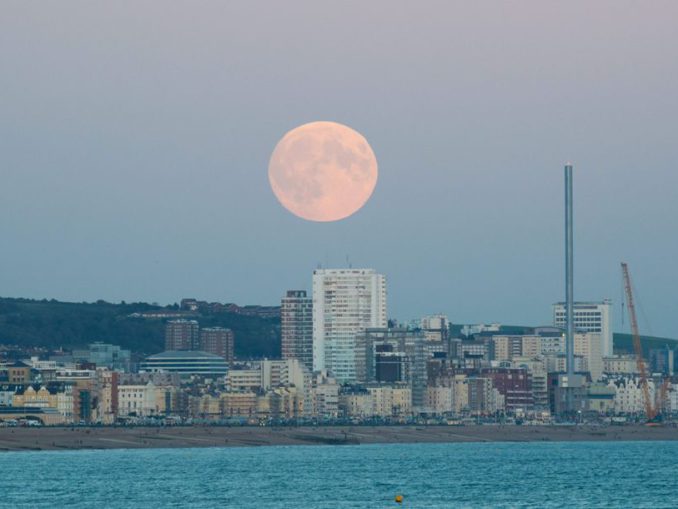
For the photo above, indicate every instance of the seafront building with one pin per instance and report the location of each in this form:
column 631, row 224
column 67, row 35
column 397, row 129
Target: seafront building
column 628, row 394
column 345, row 302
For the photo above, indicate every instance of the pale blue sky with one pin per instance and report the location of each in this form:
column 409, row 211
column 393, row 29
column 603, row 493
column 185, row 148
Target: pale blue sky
column 135, row 136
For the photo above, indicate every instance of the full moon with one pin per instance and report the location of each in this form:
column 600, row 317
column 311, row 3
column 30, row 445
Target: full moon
column 323, row 171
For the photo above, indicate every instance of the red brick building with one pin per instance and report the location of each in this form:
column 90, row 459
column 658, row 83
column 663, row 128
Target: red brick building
column 218, row 341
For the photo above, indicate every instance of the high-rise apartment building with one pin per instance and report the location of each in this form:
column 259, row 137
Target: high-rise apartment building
column 589, row 317
column 182, row 335
column 345, row 302
column 296, row 325
column 219, row 341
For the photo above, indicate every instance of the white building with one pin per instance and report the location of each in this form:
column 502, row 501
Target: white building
column 468, row 330
column 65, row 403
column 268, row 374
column 620, row 365
column 246, row 379
column 345, row 302
column 391, row 401
column 672, row 400
column 138, row 399
column 588, row 346
column 589, row 317
column 325, row 396
column 435, row 327
column 439, row 399
column 629, row 397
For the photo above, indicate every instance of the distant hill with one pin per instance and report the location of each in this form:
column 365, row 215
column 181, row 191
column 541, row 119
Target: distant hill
column 140, row 327
column 623, row 343
column 54, row 324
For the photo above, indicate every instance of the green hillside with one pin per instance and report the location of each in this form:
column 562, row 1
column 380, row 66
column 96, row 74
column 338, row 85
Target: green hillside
column 623, row 343
column 53, row 324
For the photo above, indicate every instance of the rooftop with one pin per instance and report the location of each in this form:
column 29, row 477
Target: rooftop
column 183, row 354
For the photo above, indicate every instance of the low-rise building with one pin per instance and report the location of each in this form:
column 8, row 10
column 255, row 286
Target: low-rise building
column 239, row 404
column 600, row 398
column 356, row 403
column 18, row 372
column 144, row 400
column 391, row 400
column 324, row 396
column 620, row 365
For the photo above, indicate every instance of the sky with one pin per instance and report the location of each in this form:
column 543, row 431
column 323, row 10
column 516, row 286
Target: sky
column 135, row 138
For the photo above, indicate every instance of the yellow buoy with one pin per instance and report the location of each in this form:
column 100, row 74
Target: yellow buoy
column 399, row 499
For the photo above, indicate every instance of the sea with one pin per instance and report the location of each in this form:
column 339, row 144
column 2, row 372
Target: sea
column 536, row 474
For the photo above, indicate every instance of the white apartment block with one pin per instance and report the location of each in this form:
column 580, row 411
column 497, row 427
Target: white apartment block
column 440, row 400
column 345, row 302
column 140, row 400
column 589, row 317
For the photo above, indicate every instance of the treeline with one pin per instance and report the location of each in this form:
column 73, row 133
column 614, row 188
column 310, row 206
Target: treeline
column 54, row 324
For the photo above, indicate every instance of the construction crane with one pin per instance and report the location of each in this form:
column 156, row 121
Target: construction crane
column 652, row 409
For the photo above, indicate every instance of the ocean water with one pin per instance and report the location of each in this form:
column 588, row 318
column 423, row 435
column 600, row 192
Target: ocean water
column 540, row 475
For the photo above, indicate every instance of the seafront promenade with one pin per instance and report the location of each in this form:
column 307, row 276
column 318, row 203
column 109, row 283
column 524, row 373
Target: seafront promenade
column 65, row 438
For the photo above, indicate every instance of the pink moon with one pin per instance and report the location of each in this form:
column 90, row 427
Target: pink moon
column 323, row 171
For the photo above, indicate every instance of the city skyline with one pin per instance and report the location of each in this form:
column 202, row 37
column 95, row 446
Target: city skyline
column 438, row 234
column 134, row 156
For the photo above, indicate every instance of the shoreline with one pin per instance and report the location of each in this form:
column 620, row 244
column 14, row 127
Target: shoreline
column 76, row 438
